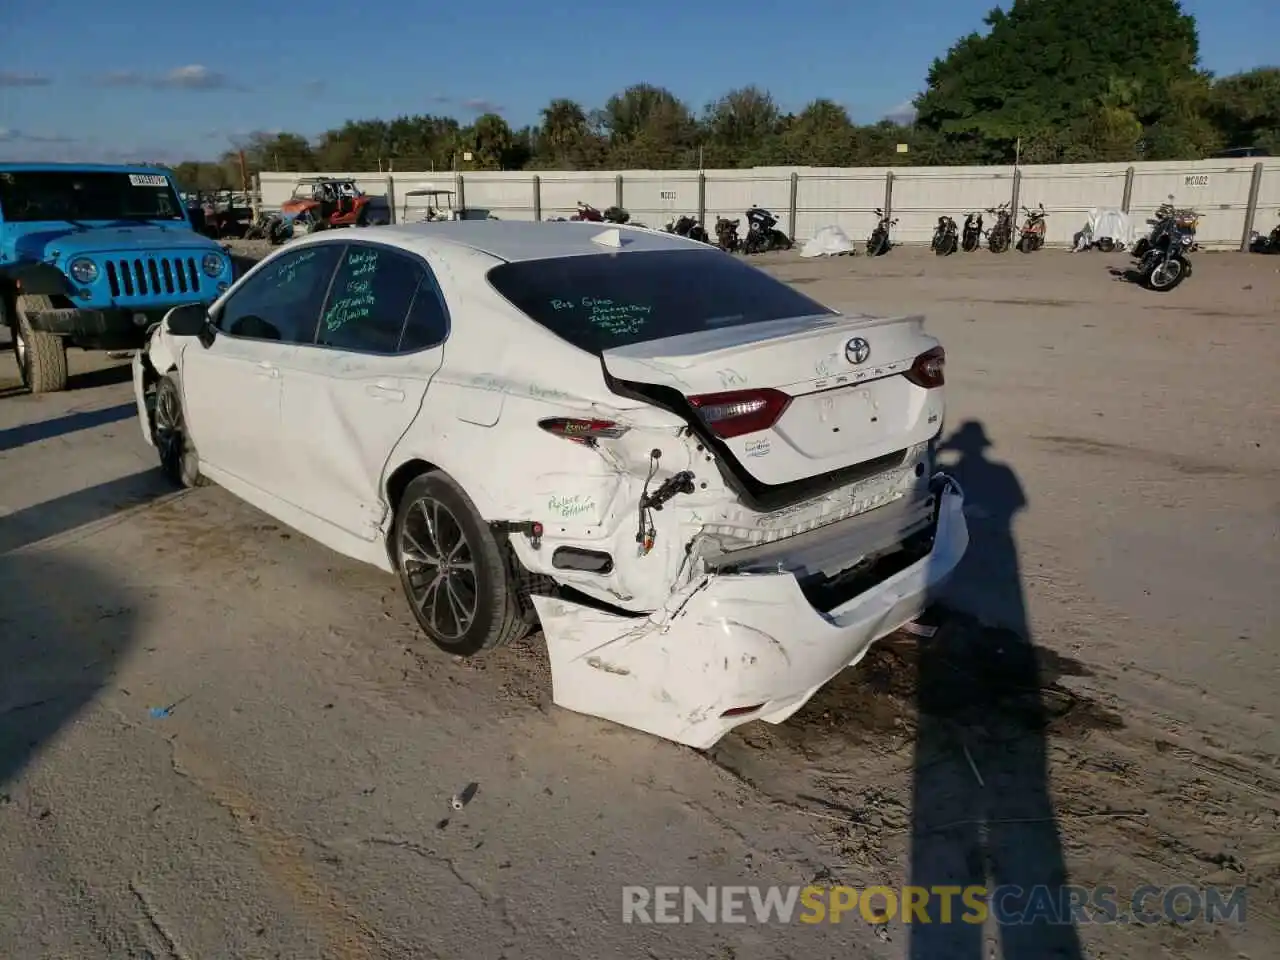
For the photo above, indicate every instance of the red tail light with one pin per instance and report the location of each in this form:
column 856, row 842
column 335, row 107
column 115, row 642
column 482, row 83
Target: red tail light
column 740, row 411
column 927, row 370
column 587, row 432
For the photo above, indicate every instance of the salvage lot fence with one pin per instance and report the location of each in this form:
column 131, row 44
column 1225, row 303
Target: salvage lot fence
column 1234, row 197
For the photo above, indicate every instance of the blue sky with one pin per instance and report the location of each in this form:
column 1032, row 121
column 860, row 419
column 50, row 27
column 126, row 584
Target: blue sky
column 173, row 80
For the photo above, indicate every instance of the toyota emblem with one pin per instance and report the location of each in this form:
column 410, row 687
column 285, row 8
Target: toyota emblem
column 857, row 350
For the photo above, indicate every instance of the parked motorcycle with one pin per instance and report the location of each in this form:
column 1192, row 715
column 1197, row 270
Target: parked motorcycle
column 878, row 244
column 686, row 226
column 1164, row 265
column 1158, row 222
column 763, row 233
column 616, row 215
column 727, row 234
column 1033, row 229
column 945, row 237
column 1000, row 236
column 587, row 212
column 1260, row 243
column 971, row 239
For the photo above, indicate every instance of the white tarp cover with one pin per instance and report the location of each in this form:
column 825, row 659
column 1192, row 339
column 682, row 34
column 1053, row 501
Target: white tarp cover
column 827, row 242
column 1107, row 222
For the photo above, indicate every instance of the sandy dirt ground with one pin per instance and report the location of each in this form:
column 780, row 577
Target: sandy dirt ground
column 1097, row 706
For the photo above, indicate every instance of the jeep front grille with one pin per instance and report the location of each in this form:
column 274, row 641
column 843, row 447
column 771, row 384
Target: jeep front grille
column 153, row 278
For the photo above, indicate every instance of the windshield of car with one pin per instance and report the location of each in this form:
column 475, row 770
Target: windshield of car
column 33, row 195
column 613, row 300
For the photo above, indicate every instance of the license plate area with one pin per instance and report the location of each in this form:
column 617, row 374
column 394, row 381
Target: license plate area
column 824, row 424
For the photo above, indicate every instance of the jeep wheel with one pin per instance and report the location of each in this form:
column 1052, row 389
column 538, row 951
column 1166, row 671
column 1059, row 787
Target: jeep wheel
column 42, row 357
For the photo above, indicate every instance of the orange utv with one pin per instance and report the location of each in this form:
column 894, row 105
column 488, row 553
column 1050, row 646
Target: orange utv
column 318, row 203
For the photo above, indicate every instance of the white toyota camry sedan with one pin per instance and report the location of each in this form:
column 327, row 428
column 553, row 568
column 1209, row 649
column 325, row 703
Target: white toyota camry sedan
column 712, row 492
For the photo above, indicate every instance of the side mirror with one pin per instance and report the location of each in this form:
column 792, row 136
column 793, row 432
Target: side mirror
column 188, row 320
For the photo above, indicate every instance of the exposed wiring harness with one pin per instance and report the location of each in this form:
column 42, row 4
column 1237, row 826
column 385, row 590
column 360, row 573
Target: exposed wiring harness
column 682, row 482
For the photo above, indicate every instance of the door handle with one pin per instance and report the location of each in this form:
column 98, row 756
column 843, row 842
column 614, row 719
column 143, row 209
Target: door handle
column 268, row 370
column 385, row 393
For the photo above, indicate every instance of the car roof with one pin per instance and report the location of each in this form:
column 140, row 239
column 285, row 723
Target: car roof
column 18, row 167
column 514, row 240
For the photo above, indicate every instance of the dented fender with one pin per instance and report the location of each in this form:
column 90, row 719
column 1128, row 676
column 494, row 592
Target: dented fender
column 159, row 355
column 749, row 645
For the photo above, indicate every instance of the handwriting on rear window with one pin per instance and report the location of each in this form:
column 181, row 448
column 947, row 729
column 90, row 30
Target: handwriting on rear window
column 356, row 302
column 361, row 263
column 612, row 316
column 289, row 271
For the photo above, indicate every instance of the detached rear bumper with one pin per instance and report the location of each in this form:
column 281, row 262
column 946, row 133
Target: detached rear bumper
column 109, row 329
column 734, row 641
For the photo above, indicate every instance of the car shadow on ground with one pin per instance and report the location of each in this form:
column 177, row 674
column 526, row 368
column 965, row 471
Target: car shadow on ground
column 67, row 625
column 102, row 377
column 981, row 814
column 18, row 436
column 90, row 505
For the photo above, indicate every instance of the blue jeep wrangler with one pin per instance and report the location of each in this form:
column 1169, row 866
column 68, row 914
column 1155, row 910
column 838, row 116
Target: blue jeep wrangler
column 90, row 256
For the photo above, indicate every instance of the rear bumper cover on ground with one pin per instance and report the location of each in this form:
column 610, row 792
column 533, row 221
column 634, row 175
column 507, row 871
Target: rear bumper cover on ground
column 729, row 641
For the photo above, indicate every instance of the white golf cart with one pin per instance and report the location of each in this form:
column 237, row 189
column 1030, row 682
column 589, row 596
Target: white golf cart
column 426, row 204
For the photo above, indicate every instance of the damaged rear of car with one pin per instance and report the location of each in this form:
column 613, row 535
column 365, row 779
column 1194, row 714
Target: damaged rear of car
column 753, row 507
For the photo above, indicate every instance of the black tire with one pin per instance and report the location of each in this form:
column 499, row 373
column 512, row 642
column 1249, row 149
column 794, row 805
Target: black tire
column 178, row 458
column 877, row 244
column 1150, row 266
column 483, row 582
column 41, row 357
column 1026, row 244
column 1106, row 245
column 1142, row 246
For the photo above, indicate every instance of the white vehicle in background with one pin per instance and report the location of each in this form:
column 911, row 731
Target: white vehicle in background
column 711, row 491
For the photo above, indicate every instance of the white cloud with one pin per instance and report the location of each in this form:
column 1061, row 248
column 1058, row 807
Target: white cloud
column 904, row 113
column 192, row 77
column 9, row 135
column 12, row 78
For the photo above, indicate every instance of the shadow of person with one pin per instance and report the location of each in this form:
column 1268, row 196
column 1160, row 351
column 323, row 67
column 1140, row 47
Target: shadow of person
column 65, row 625
column 981, row 813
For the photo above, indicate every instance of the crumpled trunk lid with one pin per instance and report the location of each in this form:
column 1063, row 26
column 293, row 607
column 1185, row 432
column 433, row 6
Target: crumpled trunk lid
column 847, row 399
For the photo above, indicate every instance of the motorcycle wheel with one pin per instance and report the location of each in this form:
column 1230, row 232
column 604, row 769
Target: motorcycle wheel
column 970, row 244
column 877, row 245
column 1026, row 244
column 952, row 245
column 1162, row 275
column 1141, row 247
column 1106, row 244
column 997, row 243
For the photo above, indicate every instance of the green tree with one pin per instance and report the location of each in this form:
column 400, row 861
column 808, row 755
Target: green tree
column 1245, row 108
column 1047, row 67
column 740, row 128
column 649, row 128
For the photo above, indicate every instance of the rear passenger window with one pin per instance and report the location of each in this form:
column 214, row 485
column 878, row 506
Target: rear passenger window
column 370, row 297
column 427, row 324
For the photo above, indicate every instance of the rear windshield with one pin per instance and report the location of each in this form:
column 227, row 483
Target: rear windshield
column 600, row 302
column 35, row 195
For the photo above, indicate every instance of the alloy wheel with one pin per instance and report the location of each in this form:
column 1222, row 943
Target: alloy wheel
column 439, row 567
column 1166, row 273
